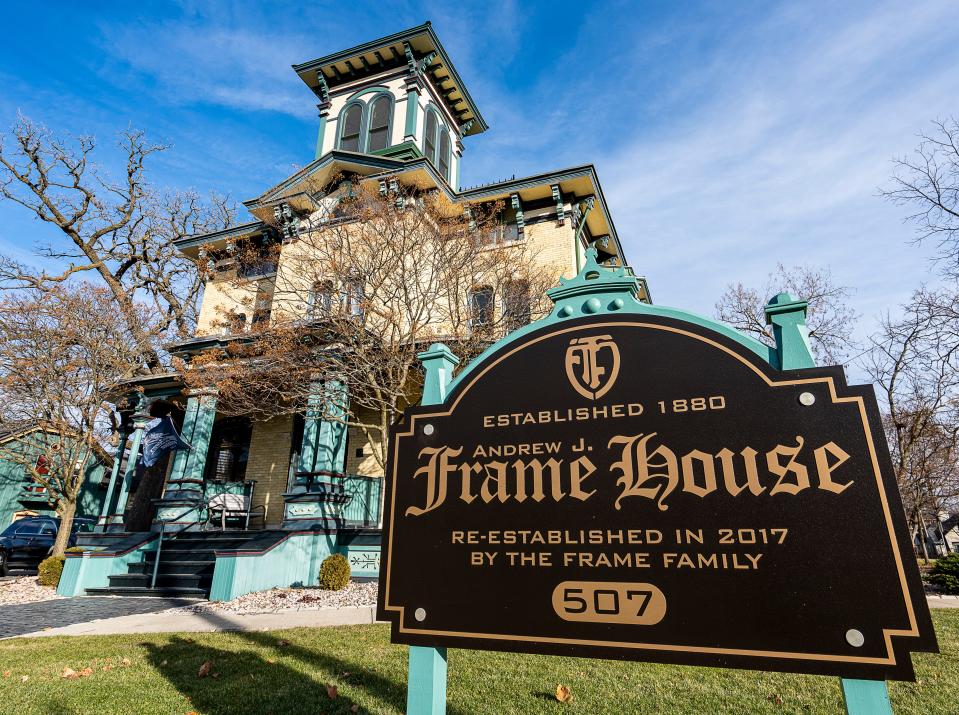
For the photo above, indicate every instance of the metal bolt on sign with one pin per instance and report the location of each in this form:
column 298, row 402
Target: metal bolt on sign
column 855, row 638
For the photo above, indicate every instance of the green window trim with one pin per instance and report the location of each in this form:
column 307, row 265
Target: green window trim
column 440, row 153
column 366, row 111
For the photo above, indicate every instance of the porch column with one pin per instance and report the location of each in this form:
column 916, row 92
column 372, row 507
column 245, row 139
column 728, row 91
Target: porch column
column 322, row 460
column 185, row 487
column 200, row 434
column 114, row 473
column 324, row 433
column 140, row 421
column 181, row 456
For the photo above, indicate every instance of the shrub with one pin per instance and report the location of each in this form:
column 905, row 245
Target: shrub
column 945, row 574
column 334, row 572
column 49, row 570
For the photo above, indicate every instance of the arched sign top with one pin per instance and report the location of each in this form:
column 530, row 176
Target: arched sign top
column 600, row 290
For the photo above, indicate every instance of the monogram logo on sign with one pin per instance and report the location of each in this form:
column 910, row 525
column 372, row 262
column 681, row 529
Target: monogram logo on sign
column 591, row 372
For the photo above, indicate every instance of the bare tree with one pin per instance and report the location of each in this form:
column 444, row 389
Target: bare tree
column 913, row 361
column 114, row 233
column 371, row 279
column 830, row 319
column 928, row 183
column 61, row 349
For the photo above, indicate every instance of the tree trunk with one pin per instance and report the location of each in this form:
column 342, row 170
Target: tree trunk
column 139, row 515
column 66, row 512
column 924, row 538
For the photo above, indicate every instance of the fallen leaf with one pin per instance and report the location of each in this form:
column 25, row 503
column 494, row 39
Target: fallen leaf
column 6, row 674
column 107, row 667
column 85, row 672
column 283, row 643
column 563, row 694
column 355, row 709
column 331, row 691
column 271, row 660
column 204, row 669
column 24, row 678
column 125, row 662
column 69, row 674
column 162, row 662
column 215, row 676
column 775, row 699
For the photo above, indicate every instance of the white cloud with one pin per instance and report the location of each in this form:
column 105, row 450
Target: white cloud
column 781, row 162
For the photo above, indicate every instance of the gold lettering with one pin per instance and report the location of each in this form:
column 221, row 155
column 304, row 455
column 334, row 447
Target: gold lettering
column 689, row 473
column 825, row 470
column 579, row 470
column 498, row 477
column 435, row 471
column 634, row 470
column 800, row 472
column 729, row 472
column 536, row 470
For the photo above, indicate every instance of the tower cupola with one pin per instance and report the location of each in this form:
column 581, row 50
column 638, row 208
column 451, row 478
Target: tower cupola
column 397, row 97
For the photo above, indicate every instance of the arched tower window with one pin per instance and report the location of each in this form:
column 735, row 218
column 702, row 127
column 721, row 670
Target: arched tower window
column 444, row 154
column 351, row 121
column 381, row 110
column 429, row 136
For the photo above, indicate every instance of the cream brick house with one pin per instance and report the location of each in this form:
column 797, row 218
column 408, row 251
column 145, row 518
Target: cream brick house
column 391, row 110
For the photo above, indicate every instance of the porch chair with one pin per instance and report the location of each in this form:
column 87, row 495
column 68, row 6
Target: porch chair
column 228, row 506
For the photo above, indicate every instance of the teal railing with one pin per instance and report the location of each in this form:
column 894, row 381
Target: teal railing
column 364, row 506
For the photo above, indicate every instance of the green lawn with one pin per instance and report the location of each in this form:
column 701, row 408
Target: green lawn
column 286, row 673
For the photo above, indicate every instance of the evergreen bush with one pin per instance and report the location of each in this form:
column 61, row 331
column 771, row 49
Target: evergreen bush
column 945, row 574
column 334, row 572
column 49, row 570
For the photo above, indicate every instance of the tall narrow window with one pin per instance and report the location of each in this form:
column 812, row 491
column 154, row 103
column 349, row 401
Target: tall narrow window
column 263, row 306
column 321, row 300
column 516, row 305
column 351, row 120
column 379, row 124
column 444, row 154
column 481, row 307
column 429, row 137
column 355, row 297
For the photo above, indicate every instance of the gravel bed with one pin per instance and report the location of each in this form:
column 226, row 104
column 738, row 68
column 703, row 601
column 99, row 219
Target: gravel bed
column 24, row 589
column 296, row 599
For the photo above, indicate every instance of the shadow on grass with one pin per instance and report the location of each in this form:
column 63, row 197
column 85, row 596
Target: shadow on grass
column 249, row 684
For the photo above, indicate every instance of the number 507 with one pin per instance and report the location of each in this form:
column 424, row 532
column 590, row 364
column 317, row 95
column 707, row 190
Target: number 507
column 609, row 602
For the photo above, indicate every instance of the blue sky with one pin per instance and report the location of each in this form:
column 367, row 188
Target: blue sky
column 728, row 136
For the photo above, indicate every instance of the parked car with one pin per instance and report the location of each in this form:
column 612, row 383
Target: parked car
column 28, row 541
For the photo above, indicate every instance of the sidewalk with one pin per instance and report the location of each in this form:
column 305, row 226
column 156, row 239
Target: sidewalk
column 277, row 620
column 210, row 622
column 943, row 601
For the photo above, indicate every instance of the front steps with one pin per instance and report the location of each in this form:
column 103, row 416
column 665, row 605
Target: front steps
column 187, row 560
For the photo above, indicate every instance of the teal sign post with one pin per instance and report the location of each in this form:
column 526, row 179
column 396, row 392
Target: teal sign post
column 587, row 479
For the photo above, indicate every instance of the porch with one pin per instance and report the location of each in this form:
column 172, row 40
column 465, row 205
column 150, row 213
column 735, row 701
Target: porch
column 251, row 506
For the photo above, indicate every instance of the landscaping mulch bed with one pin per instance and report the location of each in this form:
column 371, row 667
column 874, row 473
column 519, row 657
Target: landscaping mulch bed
column 24, row 589
column 297, row 599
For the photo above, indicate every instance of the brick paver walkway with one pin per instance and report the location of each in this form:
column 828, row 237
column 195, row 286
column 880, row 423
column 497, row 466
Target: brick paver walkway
column 29, row 617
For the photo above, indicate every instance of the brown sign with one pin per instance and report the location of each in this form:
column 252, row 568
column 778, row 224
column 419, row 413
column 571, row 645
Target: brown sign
column 646, row 489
